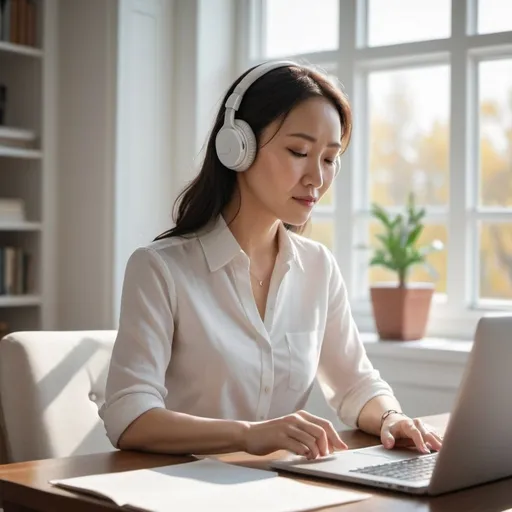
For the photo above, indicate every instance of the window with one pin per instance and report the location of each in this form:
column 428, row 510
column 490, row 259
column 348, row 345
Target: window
column 494, row 16
column 299, row 29
column 493, row 232
column 402, row 21
column 430, row 84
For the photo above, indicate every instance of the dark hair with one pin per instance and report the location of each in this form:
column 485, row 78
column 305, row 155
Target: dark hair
column 271, row 97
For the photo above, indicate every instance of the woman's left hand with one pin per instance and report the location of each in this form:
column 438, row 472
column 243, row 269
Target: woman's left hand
column 398, row 429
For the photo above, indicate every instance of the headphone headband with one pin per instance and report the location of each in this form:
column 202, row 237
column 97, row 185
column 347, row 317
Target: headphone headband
column 235, row 98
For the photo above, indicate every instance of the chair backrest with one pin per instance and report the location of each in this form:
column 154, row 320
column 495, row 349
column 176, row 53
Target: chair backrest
column 52, row 385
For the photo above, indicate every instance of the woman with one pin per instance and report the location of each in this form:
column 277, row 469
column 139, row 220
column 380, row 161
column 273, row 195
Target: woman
column 227, row 318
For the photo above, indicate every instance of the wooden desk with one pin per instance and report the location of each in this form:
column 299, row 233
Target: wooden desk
column 24, row 486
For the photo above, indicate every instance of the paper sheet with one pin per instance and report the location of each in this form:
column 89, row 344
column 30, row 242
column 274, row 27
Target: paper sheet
column 211, row 485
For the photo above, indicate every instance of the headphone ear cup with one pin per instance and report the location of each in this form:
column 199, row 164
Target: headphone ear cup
column 249, row 145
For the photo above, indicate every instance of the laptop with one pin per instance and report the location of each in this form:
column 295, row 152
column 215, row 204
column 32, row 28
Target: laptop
column 477, row 445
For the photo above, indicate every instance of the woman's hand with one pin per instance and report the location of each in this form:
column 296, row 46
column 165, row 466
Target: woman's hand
column 404, row 431
column 301, row 433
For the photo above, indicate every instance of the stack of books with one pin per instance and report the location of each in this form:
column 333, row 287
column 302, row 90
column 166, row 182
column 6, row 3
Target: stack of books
column 11, row 210
column 14, row 266
column 18, row 21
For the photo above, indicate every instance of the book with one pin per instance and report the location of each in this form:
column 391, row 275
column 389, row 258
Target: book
column 18, row 21
column 208, row 484
column 14, row 271
column 11, row 210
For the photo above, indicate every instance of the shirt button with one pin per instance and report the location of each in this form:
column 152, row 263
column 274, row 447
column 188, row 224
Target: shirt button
column 93, row 397
column 262, row 417
column 267, row 389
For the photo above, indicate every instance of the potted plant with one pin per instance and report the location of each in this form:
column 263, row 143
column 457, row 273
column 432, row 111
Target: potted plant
column 401, row 309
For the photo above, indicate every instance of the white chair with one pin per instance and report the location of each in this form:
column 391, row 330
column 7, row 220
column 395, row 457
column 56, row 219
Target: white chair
column 51, row 387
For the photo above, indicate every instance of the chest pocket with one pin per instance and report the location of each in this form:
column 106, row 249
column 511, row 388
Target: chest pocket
column 304, row 353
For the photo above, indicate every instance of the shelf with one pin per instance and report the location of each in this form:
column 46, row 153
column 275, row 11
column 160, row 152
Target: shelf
column 14, row 301
column 9, row 132
column 19, row 49
column 20, row 152
column 20, row 226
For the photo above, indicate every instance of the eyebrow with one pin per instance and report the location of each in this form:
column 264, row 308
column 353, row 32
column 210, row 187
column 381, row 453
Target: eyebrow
column 310, row 138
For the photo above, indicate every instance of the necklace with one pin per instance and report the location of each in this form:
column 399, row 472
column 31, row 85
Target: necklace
column 260, row 281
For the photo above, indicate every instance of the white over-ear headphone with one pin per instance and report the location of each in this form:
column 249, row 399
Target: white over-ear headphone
column 235, row 143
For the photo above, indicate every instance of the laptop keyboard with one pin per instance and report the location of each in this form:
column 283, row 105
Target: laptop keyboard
column 419, row 468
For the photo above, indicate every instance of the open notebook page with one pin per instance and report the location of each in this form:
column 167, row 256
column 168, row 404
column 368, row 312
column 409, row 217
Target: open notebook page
column 211, row 484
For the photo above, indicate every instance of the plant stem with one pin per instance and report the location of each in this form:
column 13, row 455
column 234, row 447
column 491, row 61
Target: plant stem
column 402, row 277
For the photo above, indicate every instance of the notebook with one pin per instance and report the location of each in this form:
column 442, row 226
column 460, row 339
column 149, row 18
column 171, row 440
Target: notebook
column 208, row 484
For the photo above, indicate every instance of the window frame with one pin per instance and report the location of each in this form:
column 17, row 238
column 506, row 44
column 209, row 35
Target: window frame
column 455, row 314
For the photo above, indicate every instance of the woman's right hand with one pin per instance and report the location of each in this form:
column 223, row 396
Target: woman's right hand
column 301, row 433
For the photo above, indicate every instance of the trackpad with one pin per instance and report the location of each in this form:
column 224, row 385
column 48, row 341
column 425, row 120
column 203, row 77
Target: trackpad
column 382, row 455
column 351, row 459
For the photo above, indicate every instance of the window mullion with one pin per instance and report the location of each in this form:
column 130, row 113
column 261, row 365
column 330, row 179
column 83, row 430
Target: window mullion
column 459, row 274
column 344, row 183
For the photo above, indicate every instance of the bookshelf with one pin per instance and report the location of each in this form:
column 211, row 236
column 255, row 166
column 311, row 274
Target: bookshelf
column 23, row 73
column 20, row 49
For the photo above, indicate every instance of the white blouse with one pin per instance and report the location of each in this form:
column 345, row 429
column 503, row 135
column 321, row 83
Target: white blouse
column 191, row 338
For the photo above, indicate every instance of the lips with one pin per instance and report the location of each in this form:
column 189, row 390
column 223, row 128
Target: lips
column 308, row 201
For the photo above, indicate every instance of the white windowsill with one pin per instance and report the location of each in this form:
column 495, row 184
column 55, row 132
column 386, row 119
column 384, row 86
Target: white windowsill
column 435, row 350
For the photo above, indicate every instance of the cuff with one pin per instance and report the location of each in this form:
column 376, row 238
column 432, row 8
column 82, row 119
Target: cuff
column 119, row 415
column 359, row 396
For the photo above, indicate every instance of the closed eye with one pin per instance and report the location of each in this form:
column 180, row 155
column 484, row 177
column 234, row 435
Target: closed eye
column 297, row 154
column 304, row 155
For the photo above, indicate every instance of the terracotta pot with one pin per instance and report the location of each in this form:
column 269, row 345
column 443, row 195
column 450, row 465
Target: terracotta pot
column 401, row 313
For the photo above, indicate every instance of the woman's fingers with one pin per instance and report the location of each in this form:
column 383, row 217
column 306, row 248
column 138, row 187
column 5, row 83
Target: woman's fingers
column 305, row 439
column 333, row 437
column 429, row 436
column 317, row 432
column 387, row 438
column 294, row 446
column 413, row 433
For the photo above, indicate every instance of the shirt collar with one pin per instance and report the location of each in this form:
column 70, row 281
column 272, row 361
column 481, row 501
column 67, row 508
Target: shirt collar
column 220, row 246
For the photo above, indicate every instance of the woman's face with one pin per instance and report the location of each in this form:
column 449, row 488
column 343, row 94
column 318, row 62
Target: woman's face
column 296, row 161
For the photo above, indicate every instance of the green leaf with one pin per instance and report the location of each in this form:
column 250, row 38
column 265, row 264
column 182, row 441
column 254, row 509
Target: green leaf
column 414, row 234
column 414, row 259
column 381, row 214
column 375, row 261
column 398, row 249
column 384, row 239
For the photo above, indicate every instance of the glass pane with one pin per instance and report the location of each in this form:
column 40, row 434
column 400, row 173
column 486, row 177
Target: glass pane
column 323, row 232
column 496, row 261
column 405, row 21
column 494, row 16
column 438, row 260
column 305, row 27
column 496, row 133
column 409, row 135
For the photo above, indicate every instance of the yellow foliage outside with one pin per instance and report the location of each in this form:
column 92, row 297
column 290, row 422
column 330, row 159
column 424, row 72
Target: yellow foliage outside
column 399, row 163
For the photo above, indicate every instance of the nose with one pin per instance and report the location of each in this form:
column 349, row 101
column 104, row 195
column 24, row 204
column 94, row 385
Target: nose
column 314, row 174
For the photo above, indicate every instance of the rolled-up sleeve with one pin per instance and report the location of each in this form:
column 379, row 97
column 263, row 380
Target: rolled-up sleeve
column 345, row 373
column 142, row 350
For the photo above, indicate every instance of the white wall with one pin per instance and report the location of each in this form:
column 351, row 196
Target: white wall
column 205, row 67
column 115, row 140
column 85, row 159
column 216, row 60
column 143, row 172
column 139, row 84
